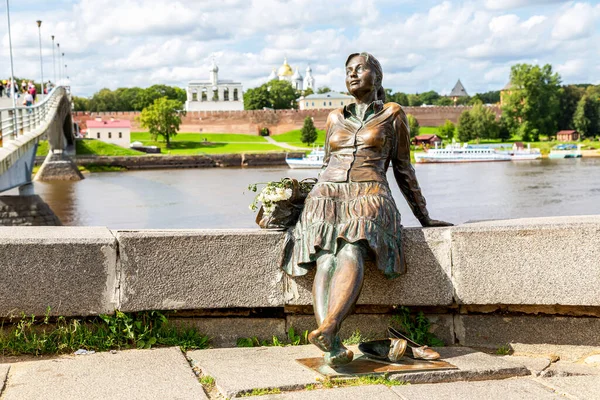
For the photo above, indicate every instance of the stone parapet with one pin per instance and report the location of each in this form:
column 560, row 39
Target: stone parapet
column 494, row 275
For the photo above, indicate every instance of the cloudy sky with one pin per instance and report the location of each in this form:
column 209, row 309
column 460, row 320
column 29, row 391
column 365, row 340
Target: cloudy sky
column 423, row 45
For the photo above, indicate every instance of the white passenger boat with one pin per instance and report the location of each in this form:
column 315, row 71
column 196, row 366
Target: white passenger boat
column 313, row 160
column 454, row 153
column 566, row 151
column 518, row 153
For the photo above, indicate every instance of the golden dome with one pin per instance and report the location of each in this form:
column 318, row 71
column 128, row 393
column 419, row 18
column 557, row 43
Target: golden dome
column 285, row 69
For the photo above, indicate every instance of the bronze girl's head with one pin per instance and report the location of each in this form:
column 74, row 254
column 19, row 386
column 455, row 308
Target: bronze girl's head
column 375, row 68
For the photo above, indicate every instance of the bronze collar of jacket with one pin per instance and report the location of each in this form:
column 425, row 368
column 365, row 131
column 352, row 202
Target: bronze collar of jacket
column 374, row 108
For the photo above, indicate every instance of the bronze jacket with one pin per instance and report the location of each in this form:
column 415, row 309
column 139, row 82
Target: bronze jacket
column 361, row 150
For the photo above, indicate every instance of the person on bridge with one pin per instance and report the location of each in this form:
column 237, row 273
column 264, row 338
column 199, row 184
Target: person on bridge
column 28, row 100
column 2, row 83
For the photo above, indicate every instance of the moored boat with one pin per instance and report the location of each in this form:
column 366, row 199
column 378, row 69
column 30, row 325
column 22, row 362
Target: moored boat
column 313, row 160
column 566, row 151
column 454, row 153
column 519, row 153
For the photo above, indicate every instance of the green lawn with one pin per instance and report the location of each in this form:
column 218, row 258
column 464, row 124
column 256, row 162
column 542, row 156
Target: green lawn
column 99, row 148
column 199, row 137
column 428, row 130
column 43, row 148
column 293, row 138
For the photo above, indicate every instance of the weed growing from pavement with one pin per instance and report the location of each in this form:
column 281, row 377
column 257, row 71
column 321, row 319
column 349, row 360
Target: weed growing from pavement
column 37, row 336
column 208, row 382
column 503, row 350
column 292, row 339
column 355, row 338
column 416, row 327
column 331, row 383
column 261, row 392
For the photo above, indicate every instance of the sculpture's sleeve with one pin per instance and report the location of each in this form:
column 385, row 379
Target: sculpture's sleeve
column 404, row 171
column 327, row 147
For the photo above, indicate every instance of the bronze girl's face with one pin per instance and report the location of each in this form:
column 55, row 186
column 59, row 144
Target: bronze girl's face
column 359, row 77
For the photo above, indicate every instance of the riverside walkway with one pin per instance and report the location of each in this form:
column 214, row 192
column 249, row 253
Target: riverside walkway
column 551, row 372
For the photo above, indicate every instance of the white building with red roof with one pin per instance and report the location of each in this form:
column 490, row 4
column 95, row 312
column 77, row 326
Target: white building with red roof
column 113, row 131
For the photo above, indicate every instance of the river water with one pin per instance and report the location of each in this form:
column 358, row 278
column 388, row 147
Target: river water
column 218, row 198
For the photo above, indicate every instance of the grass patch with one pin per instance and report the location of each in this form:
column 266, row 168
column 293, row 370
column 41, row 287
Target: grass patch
column 503, row 350
column 192, row 143
column 330, row 383
column 98, row 148
column 30, row 335
column 416, row 327
column 428, row 130
column 43, row 148
column 292, row 339
column 355, row 338
column 208, row 382
column 261, row 392
column 294, row 138
column 199, row 137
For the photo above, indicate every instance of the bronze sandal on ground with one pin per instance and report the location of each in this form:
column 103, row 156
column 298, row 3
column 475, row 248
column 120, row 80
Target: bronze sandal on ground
column 384, row 350
column 415, row 350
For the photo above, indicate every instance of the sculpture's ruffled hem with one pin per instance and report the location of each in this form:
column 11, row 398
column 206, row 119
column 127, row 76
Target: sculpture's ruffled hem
column 352, row 212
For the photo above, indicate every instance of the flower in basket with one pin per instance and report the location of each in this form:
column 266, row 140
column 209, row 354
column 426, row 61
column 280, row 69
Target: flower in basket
column 272, row 193
column 282, row 201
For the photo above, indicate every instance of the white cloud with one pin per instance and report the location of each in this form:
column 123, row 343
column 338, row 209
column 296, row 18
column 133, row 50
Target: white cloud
column 112, row 43
column 576, row 22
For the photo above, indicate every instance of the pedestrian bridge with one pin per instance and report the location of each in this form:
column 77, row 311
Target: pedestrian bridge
column 21, row 128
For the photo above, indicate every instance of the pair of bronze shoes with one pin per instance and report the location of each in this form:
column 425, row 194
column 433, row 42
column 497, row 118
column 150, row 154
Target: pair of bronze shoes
column 395, row 347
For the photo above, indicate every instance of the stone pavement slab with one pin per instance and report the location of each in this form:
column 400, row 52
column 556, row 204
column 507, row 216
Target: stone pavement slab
column 240, row 370
column 535, row 365
column 132, row 374
column 580, row 387
column 4, row 368
column 507, row 389
column 375, row 392
column 563, row 368
column 472, row 365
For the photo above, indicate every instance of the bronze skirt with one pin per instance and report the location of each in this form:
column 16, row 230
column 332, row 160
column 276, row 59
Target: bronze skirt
column 362, row 212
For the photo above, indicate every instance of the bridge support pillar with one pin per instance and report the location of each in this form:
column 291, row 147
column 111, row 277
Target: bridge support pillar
column 58, row 167
column 26, row 210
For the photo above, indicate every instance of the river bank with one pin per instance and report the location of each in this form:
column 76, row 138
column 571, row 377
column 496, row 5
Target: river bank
column 183, row 161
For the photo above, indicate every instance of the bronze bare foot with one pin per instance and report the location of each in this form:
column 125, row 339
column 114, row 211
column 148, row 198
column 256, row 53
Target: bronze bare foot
column 339, row 355
column 324, row 336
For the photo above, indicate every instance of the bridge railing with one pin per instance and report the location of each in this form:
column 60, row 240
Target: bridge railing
column 14, row 123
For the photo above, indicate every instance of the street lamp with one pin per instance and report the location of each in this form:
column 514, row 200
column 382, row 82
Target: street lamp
column 39, row 24
column 12, row 72
column 59, row 68
column 53, row 60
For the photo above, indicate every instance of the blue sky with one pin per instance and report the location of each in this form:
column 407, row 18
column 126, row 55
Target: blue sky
column 423, row 45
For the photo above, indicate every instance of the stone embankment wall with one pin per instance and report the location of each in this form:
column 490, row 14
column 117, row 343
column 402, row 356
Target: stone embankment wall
column 193, row 161
column 480, row 284
column 278, row 121
column 26, row 211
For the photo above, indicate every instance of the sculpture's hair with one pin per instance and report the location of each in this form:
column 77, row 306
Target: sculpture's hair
column 375, row 66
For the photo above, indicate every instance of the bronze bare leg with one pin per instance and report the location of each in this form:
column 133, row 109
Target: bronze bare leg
column 341, row 289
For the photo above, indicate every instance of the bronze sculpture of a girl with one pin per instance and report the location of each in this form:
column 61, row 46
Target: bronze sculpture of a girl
column 350, row 215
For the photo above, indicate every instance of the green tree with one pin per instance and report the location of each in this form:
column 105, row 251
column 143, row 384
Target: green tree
column 162, row 118
column 400, row 98
column 429, row 97
column 323, row 89
column 504, row 129
column 279, row 95
column 466, row 127
column 484, row 122
column 533, row 105
column 491, row 97
column 447, row 130
column 444, row 101
column 568, row 97
column 413, row 125
column 587, row 117
column 593, row 91
column 81, row 104
column 414, row 100
column 309, row 132
column 307, row 92
column 257, row 98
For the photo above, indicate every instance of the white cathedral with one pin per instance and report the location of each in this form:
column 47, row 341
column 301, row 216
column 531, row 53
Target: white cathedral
column 285, row 73
column 214, row 94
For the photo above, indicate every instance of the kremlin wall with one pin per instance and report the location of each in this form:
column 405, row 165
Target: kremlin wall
column 277, row 121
